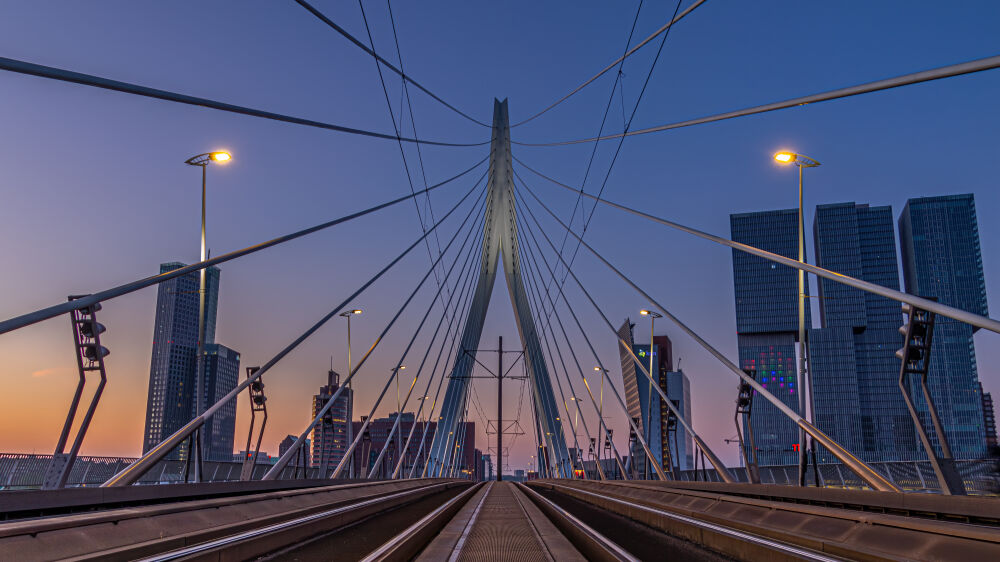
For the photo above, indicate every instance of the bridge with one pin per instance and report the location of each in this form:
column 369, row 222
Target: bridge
column 385, row 504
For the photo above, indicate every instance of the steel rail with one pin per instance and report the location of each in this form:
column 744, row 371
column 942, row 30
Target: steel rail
column 63, row 75
column 865, row 472
column 784, row 548
column 629, row 53
column 134, row 471
column 610, row 547
column 319, row 15
column 233, row 540
column 84, row 302
column 925, row 304
column 394, row 548
column 938, row 73
column 283, row 461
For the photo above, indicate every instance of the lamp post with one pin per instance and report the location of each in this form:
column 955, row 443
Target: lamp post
column 600, row 412
column 805, row 384
column 202, row 161
column 649, row 395
column 350, row 410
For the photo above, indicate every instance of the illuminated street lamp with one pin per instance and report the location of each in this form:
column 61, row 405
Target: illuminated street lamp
column 202, row 160
column 347, row 314
column 805, row 385
column 653, row 315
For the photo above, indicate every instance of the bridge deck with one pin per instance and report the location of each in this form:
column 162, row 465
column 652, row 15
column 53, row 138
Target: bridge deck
column 500, row 523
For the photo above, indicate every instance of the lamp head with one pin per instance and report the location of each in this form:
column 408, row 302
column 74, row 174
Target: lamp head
column 221, row 156
column 644, row 312
column 785, row 157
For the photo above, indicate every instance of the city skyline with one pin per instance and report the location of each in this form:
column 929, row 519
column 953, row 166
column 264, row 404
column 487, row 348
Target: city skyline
column 879, row 155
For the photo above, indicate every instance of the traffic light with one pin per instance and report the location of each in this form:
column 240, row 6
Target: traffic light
column 917, row 332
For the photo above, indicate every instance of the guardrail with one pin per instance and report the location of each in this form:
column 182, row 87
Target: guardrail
column 27, row 471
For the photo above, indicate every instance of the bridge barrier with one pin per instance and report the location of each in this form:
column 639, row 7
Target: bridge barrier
column 27, row 471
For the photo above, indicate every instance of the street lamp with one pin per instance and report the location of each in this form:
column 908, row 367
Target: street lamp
column 202, row 160
column 805, row 385
column 653, row 315
column 350, row 410
column 600, row 408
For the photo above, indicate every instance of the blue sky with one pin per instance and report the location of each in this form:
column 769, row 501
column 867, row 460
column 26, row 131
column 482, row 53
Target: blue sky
column 95, row 191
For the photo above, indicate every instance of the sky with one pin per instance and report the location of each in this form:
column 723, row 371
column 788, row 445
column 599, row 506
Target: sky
column 95, row 191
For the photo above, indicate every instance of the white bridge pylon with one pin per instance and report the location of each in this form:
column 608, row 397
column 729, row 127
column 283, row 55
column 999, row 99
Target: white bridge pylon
column 500, row 240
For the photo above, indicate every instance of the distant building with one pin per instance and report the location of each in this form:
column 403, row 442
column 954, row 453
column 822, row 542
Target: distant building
column 852, row 358
column 170, row 401
column 941, row 255
column 377, row 434
column 767, row 325
column 331, row 436
column 989, row 419
column 297, row 460
column 654, row 416
column 222, row 372
column 261, row 458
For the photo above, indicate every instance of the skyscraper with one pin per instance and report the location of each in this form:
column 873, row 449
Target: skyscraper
column 852, row 355
column 330, row 435
column 939, row 242
column 222, row 372
column 651, row 414
column 767, row 324
column 170, row 402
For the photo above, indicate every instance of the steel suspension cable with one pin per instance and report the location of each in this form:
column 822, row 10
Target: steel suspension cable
column 63, row 75
column 935, row 307
column 537, row 272
column 870, row 476
column 413, row 124
column 444, row 314
column 395, row 372
column 590, row 345
column 396, row 128
column 453, row 348
column 284, row 459
column 547, row 332
column 460, row 283
column 607, row 109
column 632, row 51
column 319, row 15
column 134, row 471
column 81, row 303
column 621, row 141
column 938, row 73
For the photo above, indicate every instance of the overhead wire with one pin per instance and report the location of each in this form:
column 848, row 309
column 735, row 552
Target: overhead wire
column 925, row 304
column 869, row 475
column 319, row 15
column 132, row 286
column 663, row 29
column 42, row 71
column 417, row 330
column 134, row 471
column 948, row 71
column 607, row 109
column 396, row 128
column 621, row 140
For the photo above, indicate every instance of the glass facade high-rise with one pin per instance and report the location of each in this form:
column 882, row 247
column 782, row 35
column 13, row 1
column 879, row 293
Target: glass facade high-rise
column 852, row 361
column 767, row 324
column 170, row 401
column 939, row 242
column 651, row 414
column 222, row 372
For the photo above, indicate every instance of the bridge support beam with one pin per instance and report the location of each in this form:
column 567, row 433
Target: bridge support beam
column 500, row 241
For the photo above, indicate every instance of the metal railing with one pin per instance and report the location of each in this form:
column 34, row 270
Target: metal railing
column 27, row 471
